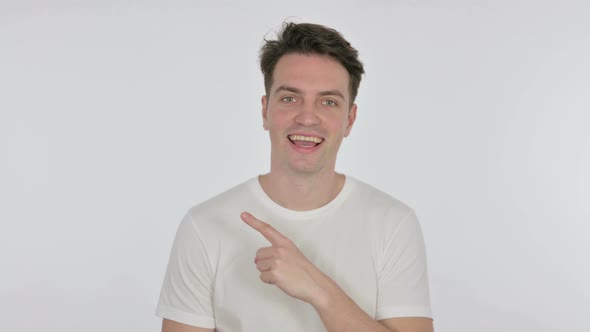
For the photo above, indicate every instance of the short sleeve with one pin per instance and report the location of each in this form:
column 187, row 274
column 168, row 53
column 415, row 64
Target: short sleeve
column 187, row 293
column 403, row 279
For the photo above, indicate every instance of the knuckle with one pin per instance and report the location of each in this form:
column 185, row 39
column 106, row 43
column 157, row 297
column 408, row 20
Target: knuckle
column 274, row 274
column 266, row 277
column 277, row 263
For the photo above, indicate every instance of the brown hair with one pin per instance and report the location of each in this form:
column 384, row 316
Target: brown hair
column 306, row 38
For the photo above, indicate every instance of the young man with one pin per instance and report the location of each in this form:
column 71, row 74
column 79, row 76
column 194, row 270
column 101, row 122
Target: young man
column 301, row 248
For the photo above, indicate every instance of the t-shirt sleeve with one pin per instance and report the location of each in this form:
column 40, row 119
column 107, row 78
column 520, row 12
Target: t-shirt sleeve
column 186, row 295
column 403, row 280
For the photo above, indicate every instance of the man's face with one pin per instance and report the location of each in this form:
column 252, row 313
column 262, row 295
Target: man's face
column 307, row 113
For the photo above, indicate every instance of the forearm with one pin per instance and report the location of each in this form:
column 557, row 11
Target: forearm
column 340, row 313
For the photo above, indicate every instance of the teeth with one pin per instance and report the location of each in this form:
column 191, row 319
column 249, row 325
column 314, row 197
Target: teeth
column 305, row 138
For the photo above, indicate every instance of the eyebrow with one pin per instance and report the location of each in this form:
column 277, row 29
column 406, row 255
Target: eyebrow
column 298, row 91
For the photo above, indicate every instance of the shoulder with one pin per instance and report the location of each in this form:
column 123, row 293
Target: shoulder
column 224, row 200
column 221, row 211
column 216, row 222
column 374, row 199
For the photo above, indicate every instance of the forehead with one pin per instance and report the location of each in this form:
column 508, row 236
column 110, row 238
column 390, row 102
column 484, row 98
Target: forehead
column 311, row 73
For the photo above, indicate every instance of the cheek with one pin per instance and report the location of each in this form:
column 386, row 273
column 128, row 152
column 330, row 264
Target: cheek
column 278, row 120
column 276, row 126
column 338, row 125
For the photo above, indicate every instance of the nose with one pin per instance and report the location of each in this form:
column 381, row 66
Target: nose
column 307, row 115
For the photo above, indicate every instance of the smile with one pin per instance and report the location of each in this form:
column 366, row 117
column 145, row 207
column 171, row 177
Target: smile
column 305, row 141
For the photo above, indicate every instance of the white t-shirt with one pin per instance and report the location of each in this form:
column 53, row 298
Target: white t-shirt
column 369, row 243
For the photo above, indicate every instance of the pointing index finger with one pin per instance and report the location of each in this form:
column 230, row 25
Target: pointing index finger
column 270, row 233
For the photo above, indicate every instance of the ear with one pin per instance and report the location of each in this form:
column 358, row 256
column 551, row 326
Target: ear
column 264, row 102
column 351, row 118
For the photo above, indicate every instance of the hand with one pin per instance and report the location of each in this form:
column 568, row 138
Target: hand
column 284, row 265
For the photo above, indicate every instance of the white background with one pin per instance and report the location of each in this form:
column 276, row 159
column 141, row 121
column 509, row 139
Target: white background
column 117, row 116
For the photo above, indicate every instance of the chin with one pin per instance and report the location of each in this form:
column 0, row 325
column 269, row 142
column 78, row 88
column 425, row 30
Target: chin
column 305, row 168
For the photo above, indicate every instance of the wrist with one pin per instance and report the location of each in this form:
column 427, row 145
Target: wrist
column 326, row 294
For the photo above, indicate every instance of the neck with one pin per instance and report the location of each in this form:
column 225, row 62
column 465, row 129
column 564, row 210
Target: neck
column 302, row 192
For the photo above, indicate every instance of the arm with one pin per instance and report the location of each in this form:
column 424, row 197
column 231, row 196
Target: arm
column 186, row 295
column 172, row 326
column 285, row 266
column 418, row 324
column 339, row 313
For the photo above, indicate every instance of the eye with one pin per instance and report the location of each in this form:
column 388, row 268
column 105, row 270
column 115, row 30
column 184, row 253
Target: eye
column 329, row 102
column 288, row 99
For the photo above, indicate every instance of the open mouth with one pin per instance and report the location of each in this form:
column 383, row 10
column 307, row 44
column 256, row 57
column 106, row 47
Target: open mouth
column 305, row 141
